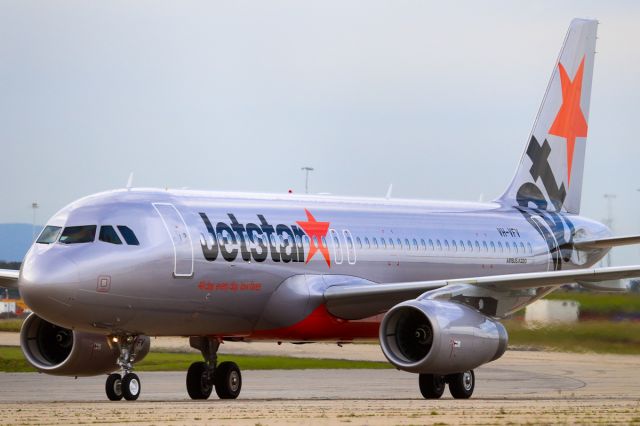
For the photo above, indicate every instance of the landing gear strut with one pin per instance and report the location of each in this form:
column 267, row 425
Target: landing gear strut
column 204, row 376
column 461, row 385
column 127, row 386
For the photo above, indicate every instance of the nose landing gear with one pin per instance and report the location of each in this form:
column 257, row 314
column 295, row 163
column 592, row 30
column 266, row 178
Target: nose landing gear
column 127, row 386
column 203, row 377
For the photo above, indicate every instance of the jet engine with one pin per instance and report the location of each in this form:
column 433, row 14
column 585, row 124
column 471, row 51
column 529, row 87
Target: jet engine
column 440, row 337
column 59, row 351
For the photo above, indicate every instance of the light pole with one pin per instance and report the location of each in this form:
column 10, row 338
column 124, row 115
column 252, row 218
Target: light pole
column 609, row 219
column 306, row 169
column 34, row 206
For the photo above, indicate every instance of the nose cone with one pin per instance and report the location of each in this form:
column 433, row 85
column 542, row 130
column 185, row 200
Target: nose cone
column 48, row 283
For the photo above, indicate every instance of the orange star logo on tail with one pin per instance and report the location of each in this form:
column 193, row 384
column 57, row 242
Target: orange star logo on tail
column 570, row 122
column 315, row 231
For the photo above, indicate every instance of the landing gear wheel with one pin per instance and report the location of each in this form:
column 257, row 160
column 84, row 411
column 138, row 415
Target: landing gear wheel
column 199, row 383
column 227, row 380
column 431, row 385
column 461, row 385
column 131, row 386
column 113, row 387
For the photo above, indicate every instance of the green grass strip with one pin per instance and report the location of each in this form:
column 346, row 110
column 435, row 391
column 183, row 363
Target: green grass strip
column 12, row 360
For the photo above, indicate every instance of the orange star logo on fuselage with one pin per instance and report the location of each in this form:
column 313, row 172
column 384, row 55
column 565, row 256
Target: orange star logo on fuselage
column 316, row 231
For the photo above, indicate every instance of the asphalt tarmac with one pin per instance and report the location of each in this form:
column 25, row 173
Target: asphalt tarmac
column 521, row 387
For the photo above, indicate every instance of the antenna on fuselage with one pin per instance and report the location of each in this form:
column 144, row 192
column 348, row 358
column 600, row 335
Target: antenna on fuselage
column 389, row 190
column 130, row 181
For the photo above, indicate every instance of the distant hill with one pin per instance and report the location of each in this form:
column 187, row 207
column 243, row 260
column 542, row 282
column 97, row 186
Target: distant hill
column 15, row 240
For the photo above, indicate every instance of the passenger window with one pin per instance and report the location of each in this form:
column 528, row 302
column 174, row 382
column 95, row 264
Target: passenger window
column 446, row 245
column 383, row 243
column 399, row 241
column 454, row 245
column 407, row 244
column 78, row 234
column 493, row 247
column 306, row 240
column 375, row 242
column 415, row 244
column 359, row 241
column 128, row 235
column 485, row 247
column 461, row 245
column 438, row 245
column 529, row 247
column 477, row 246
column 366, row 242
column 391, row 243
column 507, row 247
column 469, row 245
column 49, row 235
column 431, row 244
column 423, row 244
column 522, row 250
column 500, row 247
column 515, row 248
column 324, row 242
column 109, row 235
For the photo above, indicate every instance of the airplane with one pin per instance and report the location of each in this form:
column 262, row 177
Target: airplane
column 430, row 280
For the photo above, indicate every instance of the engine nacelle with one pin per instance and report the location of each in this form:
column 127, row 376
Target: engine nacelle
column 439, row 337
column 59, row 351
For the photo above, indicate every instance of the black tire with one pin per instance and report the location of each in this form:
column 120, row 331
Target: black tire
column 227, row 380
column 431, row 385
column 199, row 383
column 131, row 386
column 461, row 385
column 113, row 387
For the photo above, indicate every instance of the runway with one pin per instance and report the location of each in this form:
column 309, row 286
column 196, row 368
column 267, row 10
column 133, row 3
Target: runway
column 533, row 387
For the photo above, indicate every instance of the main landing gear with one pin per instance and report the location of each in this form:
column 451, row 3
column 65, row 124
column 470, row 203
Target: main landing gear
column 203, row 377
column 461, row 385
column 128, row 385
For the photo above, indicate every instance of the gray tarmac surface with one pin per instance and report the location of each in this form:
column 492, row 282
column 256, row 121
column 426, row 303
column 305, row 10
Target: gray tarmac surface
column 521, row 387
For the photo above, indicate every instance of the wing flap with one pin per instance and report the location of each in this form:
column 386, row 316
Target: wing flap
column 9, row 278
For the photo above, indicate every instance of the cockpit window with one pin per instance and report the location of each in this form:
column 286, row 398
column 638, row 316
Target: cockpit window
column 49, row 235
column 78, row 234
column 109, row 235
column 128, row 235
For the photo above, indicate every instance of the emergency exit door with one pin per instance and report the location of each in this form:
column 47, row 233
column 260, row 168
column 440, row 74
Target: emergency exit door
column 180, row 238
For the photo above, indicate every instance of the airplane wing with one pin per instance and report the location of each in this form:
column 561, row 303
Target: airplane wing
column 9, row 278
column 359, row 301
column 602, row 243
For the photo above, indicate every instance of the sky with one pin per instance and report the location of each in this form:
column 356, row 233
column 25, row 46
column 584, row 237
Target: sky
column 437, row 98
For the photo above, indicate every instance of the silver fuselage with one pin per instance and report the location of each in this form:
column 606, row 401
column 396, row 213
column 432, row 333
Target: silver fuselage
column 191, row 276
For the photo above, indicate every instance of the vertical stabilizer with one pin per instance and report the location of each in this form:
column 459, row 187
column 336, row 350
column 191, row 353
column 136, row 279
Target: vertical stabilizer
column 549, row 175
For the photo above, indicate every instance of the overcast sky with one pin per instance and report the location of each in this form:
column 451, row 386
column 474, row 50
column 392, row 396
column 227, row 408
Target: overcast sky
column 434, row 97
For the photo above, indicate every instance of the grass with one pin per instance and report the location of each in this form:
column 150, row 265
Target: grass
column 10, row 324
column 601, row 303
column 621, row 337
column 12, row 360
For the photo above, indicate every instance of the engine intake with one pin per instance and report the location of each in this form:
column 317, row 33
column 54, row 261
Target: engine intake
column 59, row 351
column 439, row 337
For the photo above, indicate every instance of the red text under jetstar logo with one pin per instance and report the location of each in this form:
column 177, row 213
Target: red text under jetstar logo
column 257, row 241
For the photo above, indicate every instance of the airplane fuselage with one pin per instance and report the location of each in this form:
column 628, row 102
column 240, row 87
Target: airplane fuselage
column 215, row 263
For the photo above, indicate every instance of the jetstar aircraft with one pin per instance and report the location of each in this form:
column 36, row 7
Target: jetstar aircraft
column 111, row 269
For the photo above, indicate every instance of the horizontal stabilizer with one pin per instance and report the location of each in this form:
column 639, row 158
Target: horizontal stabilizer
column 603, row 243
column 9, row 278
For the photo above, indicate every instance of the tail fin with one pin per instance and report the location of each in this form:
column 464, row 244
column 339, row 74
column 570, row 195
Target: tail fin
column 549, row 175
